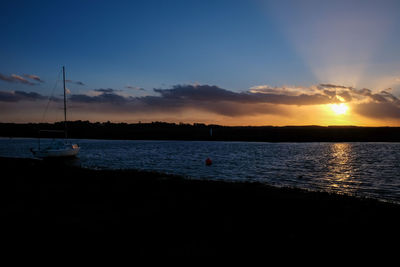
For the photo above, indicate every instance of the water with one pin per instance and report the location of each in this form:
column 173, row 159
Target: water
column 361, row 169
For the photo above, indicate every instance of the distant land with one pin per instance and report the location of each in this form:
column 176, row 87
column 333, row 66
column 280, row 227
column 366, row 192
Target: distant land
column 198, row 131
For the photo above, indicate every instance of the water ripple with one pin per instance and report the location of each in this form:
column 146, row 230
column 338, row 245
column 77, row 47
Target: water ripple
column 363, row 169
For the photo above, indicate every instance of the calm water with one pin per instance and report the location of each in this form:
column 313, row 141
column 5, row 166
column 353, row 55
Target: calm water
column 363, row 169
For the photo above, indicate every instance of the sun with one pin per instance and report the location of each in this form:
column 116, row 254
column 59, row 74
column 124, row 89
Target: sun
column 339, row 109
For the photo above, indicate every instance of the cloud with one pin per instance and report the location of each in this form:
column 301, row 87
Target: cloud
column 134, row 88
column 349, row 94
column 21, row 79
column 16, row 96
column 75, row 82
column 198, row 93
column 202, row 97
column 261, row 100
column 104, row 98
column 345, row 96
column 33, row 77
column 108, row 90
column 328, row 85
column 381, row 97
column 13, row 78
column 266, row 89
column 6, row 78
column 378, row 110
column 258, row 100
column 208, row 93
column 382, row 105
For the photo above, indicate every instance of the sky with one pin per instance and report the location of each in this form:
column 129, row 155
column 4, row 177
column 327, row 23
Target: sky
column 249, row 62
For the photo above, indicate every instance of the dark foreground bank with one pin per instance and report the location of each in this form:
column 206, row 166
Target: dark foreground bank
column 145, row 212
column 198, row 131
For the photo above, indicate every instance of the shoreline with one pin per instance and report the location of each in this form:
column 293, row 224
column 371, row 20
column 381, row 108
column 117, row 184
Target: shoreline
column 203, row 132
column 193, row 140
column 157, row 211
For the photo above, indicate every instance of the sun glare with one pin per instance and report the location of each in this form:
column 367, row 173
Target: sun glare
column 339, row 109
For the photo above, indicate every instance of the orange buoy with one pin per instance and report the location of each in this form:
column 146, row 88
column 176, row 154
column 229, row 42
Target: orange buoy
column 208, row 162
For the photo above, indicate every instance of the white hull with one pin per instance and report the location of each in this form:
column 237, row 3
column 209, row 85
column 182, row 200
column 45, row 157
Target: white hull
column 56, row 153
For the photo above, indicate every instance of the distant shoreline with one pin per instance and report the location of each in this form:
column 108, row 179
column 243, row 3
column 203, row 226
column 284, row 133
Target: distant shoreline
column 203, row 132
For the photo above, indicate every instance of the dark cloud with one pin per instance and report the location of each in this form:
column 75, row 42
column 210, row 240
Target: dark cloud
column 109, row 98
column 8, row 97
column 108, row 90
column 21, row 79
column 82, row 98
column 378, row 98
column 224, row 102
column 199, row 93
column 134, row 88
column 389, row 96
column 382, row 97
column 328, row 85
column 75, row 82
column 214, row 99
column 382, row 105
column 215, row 94
column 16, row 96
column 202, row 97
column 330, row 93
column 345, row 95
column 363, row 91
column 378, row 110
column 348, row 94
column 13, row 78
column 33, row 77
column 207, row 98
column 6, row 78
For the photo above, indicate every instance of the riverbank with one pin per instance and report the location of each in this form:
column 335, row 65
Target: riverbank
column 157, row 212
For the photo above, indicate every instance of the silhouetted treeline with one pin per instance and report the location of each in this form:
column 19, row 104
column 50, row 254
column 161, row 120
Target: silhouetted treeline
column 198, row 131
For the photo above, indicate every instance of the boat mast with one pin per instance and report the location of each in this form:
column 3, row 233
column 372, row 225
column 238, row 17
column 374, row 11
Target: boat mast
column 65, row 105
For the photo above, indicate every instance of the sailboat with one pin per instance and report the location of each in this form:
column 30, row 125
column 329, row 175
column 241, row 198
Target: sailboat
column 57, row 149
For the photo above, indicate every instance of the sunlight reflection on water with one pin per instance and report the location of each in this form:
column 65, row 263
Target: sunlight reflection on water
column 340, row 175
column 364, row 169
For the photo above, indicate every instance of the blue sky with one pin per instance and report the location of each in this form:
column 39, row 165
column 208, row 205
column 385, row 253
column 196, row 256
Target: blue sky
column 234, row 45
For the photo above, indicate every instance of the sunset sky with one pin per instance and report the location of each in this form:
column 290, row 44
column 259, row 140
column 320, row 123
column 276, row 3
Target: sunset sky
column 248, row 62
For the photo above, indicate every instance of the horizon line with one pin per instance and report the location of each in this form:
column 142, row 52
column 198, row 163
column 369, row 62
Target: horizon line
column 201, row 123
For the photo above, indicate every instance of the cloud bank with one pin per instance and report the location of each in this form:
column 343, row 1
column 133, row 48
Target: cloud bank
column 14, row 78
column 75, row 82
column 33, row 77
column 258, row 100
column 202, row 97
column 134, row 88
column 17, row 96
